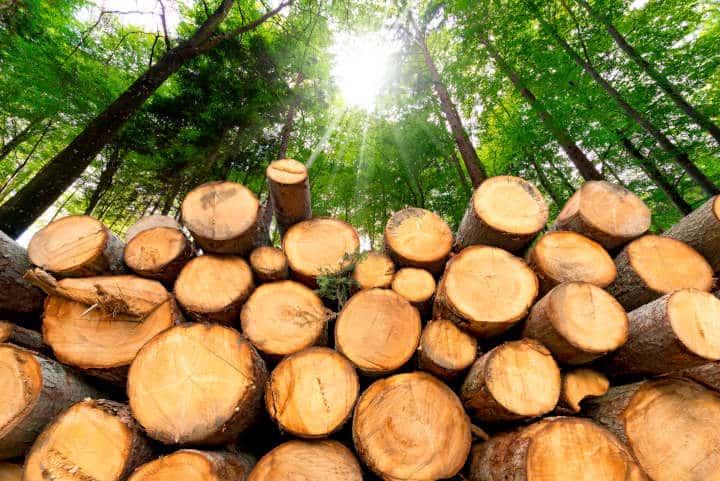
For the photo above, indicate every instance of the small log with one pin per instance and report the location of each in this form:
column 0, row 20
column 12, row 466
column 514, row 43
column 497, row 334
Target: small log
column 578, row 322
column 411, row 427
column 559, row 257
column 485, row 290
column 606, row 213
column 417, row 286
column 284, row 317
column 517, row 379
column 418, row 238
column 227, row 376
column 151, row 222
column 701, row 230
column 373, row 270
column 578, row 385
column 378, row 330
column 213, row 288
column 20, row 336
column 312, row 393
column 17, row 296
column 671, row 425
column 158, row 253
column 289, row 192
column 195, row 465
column 269, row 264
column 308, row 460
column 92, row 440
column 506, row 212
column 76, row 246
column 10, row 472
column 35, row 389
column 707, row 374
column 653, row 266
column 445, row 350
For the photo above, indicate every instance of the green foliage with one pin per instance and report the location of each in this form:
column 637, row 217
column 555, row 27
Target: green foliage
column 337, row 285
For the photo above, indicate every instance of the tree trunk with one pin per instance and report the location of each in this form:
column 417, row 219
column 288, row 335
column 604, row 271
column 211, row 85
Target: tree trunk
column 18, row 139
column 445, row 350
column 417, row 286
column 326, row 460
column 545, row 182
column 701, row 231
column 464, row 182
column 289, row 186
column 17, row 296
column 290, row 118
column 187, row 463
column 22, row 164
column 418, row 238
column 109, row 169
column 579, row 385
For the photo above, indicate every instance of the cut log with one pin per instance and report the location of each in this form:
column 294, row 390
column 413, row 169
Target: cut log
column 194, row 465
column 652, row 266
column 417, row 286
column 17, row 296
column 578, row 322
column 505, row 212
column 445, row 350
column 20, row 336
column 675, row 332
column 312, row 393
column 319, row 246
column 226, row 374
column 76, row 246
column 269, row 264
column 10, row 472
column 418, row 238
column 411, row 427
column 374, row 270
column 158, row 253
column 284, row 317
column 485, row 290
column 559, row 257
column 224, row 218
column 707, row 374
column 554, row 449
column 308, row 460
column 701, row 230
column 92, row 440
column 290, row 192
column 33, row 390
column 517, row 379
column 578, row 385
column 378, row 330
column 671, row 425
column 606, row 213
column 151, row 222
column 213, row 288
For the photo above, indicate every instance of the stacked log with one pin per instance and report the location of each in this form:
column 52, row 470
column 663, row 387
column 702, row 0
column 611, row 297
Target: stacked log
column 701, row 230
column 578, row 385
column 326, row 460
column 415, row 285
column 374, row 270
column 289, row 192
column 445, row 350
column 17, row 296
column 20, row 336
column 193, row 464
column 269, row 264
column 418, row 238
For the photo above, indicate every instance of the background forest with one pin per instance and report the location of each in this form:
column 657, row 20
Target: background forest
column 119, row 107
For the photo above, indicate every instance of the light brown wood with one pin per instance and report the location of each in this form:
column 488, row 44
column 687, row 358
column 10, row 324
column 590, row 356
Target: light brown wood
column 567, row 256
column 411, row 427
column 319, row 246
column 213, row 288
column 10, row 472
column 220, row 394
column 445, row 350
column 485, row 290
column 517, row 379
column 195, row 465
column 290, row 192
column 418, row 238
column 76, row 246
column 505, row 212
column 312, row 393
column 378, row 330
column 92, row 440
column 652, row 266
column 224, row 218
column 554, row 449
column 17, row 296
column 373, row 270
column 20, row 336
column 308, row 460
column 671, row 425
column 33, row 390
column 158, row 253
column 578, row 322
column 578, row 385
column 417, row 286
column 151, row 222
column 606, row 213
column 284, row 317
column 269, row 264
column 701, row 230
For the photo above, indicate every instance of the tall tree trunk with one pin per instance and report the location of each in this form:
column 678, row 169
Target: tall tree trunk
column 668, row 87
column 290, row 118
column 464, row 183
column 22, row 164
column 545, row 182
column 18, row 139
column 577, row 157
column 170, row 199
column 106, row 177
column 35, row 197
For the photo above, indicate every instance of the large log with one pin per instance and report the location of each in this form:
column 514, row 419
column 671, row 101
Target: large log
column 417, row 286
column 269, row 264
column 578, row 322
column 373, row 270
column 378, row 330
column 312, row 393
column 418, row 238
column 220, row 394
column 485, row 290
column 554, row 449
column 156, row 247
column 411, row 427
column 289, row 192
column 505, row 212
column 606, row 213
column 20, row 336
column 76, row 246
column 653, row 266
column 92, row 440
column 33, row 390
column 17, row 296
column 671, row 425
column 701, row 230
column 517, row 379
column 445, row 350
column 578, row 385
column 195, row 465
column 308, row 460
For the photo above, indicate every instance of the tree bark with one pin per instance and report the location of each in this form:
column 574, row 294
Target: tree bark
column 290, row 118
column 106, row 177
column 22, row 164
column 464, row 182
column 17, row 140
column 701, row 231
column 17, row 296
column 545, row 182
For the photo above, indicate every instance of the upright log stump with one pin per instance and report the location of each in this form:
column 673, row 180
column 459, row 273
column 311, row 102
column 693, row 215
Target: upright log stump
column 374, row 270
column 269, row 264
column 308, row 460
column 701, row 230
column 289, row 192
column 418, row 238
column 195, row 465
column 17, row 295
column 445, row 350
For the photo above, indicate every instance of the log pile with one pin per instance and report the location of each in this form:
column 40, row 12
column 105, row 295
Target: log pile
column 199, row 351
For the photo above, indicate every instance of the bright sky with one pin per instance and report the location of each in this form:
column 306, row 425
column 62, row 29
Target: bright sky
column 145, row 13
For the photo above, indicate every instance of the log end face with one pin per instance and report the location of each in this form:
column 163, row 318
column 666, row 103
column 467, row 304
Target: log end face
column 287, row 172
column 269, row 264
column 194, row 465
column 320, row 460
column 21, row 381
column 151, row 222
column 447, row 347
column 320, row 246
column 153, row 249
column 415, row 285
column 510, row 205
column 580, row 384
column 695, row 318
column 374, row 270
column 418, row 238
